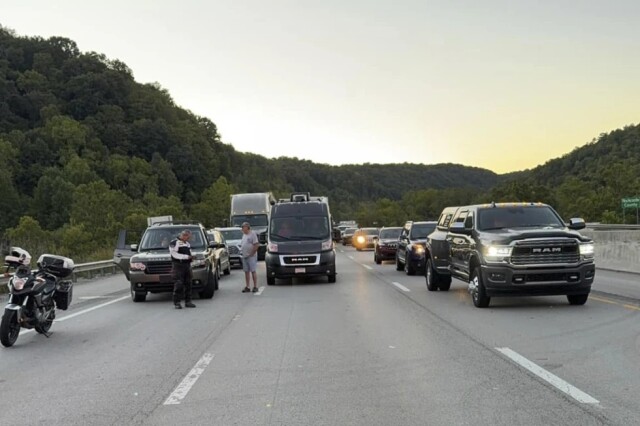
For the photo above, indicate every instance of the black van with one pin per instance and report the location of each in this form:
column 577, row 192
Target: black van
column 300, row 240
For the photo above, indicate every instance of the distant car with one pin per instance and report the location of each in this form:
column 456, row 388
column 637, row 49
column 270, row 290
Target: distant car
column 347, row 236
column 386, row 244
column 365, row 238
column 220, row 251
column 410, row 255
column 233, row 236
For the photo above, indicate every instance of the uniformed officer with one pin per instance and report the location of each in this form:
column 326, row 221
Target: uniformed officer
column 180, row 251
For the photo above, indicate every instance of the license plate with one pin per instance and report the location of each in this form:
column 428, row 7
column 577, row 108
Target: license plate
column 300, row 270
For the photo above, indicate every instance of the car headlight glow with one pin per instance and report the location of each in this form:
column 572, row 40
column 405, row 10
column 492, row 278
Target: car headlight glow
column 587, row 250
column 418, row 249
column 497, row 253
column 137, row 266
column 361, row 239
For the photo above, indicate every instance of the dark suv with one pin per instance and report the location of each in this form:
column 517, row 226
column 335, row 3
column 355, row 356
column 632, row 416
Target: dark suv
column 386, row 244
column 509, row 249
column 148, row 265
column 410, row 253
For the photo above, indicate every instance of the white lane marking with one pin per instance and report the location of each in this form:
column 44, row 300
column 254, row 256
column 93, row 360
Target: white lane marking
column 236, row 318
column 181, row 391
column 84, row 311
column 341, row 251
column 392, row 347
column 368, row 267
column 93, row 308
column 95, row 297
column 259, row 292
column 351, row 257
column 554, row 380
column 400, row 286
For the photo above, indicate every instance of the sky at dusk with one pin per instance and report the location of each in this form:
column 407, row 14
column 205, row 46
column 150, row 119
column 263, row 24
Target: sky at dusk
column 503, row 85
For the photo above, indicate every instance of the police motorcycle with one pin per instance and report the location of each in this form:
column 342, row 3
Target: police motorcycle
column 34, row 295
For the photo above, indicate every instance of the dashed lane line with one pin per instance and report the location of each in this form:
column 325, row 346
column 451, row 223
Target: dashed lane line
column 367, row 266
column 181, row 391
column 400, row 286
column 259, row 292
column 550, row 378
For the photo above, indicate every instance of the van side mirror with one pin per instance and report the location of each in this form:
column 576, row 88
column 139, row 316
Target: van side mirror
column 577, row 223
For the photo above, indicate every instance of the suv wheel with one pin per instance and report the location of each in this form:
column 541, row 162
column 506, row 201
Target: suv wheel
column 431, row 277
column 228, row 270
column 376, row 259
column 210, row 287
column 399, row 264
column 138, row 296
column 478, row 292
column 577, row 299
column 409, row 269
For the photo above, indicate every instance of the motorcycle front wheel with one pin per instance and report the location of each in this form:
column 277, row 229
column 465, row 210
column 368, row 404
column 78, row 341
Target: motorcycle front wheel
column 9, row 328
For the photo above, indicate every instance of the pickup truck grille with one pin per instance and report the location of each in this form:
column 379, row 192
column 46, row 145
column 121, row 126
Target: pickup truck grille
column 545, row 252
column 159, row 268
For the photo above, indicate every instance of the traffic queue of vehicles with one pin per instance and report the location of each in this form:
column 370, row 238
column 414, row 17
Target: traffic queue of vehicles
column 497, row 249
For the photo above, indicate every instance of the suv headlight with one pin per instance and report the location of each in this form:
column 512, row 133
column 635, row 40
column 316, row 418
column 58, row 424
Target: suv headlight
column 327, row 245
column 418, row 249
column 137, row 266
column 198, row 263
column 587, row 250
column 361, row 239
column 497, row 253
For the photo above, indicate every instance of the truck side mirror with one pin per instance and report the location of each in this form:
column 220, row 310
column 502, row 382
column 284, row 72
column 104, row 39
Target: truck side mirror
column 577, row 223
column 459, row 228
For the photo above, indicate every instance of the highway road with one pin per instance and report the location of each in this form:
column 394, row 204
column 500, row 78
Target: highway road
column 375, row 348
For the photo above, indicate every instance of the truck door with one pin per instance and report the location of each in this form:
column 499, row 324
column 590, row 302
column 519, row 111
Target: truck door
column 457, row 243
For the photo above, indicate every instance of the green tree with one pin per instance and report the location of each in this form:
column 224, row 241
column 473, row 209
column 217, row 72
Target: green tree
column 215, row 204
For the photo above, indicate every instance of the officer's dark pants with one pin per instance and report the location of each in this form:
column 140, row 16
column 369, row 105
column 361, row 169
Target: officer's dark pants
column 182, row 282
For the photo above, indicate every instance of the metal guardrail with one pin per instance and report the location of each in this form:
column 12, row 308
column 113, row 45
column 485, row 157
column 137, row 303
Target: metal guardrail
column 88, row 270
column 612, row 227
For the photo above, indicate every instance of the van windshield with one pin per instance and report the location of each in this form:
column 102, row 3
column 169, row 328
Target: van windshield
column 299, row 228
column 253, row 219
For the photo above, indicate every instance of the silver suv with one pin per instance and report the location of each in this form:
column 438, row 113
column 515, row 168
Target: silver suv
column 148, row 266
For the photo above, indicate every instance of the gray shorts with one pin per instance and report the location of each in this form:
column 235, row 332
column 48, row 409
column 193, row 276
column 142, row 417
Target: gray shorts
column 249, row 264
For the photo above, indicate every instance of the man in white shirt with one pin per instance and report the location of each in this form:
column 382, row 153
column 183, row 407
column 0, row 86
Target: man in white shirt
column 249, row 250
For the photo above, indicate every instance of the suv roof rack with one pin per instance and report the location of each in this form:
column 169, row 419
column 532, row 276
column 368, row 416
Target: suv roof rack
column 177, row 222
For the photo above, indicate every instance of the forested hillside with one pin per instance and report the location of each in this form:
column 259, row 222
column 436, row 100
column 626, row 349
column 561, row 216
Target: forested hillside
column 85, row 150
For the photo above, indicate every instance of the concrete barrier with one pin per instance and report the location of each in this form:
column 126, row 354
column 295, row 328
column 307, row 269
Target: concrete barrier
column 616, row 249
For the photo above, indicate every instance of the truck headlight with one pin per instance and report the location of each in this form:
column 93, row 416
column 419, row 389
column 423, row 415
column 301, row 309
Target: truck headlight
column 327, row 245
column 497, row 253
column 587, row 250
column 272, row 248
column 137, row 266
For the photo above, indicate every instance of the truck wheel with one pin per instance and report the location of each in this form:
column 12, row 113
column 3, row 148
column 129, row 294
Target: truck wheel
column 399, row 265
column 332, row 278
column 210, row 287
column 138, row 296
column 577, row 299
column 478, row 292
column 409, row 269
column 271, row 280
column 445, row 283
column 431, row 277
column 9, row 328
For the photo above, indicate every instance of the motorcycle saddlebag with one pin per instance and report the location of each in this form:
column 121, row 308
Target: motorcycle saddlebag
column 59, row 266
column 64, row 293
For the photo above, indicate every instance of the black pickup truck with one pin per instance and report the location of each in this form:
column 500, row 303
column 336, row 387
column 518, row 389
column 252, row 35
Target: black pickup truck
column 510, row 249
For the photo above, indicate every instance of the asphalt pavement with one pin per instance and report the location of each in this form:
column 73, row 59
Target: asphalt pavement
column 375, row 348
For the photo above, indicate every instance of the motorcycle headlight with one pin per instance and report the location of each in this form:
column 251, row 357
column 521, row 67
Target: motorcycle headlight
column 587, row 250
column 327, row 245
column 497, row 253
column 137, row 266
column 18, row 283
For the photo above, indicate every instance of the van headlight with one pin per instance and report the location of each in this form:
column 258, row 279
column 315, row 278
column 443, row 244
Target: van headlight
column 497, row 253
column 272, row 248
column 587, row 250
column 327, row 245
